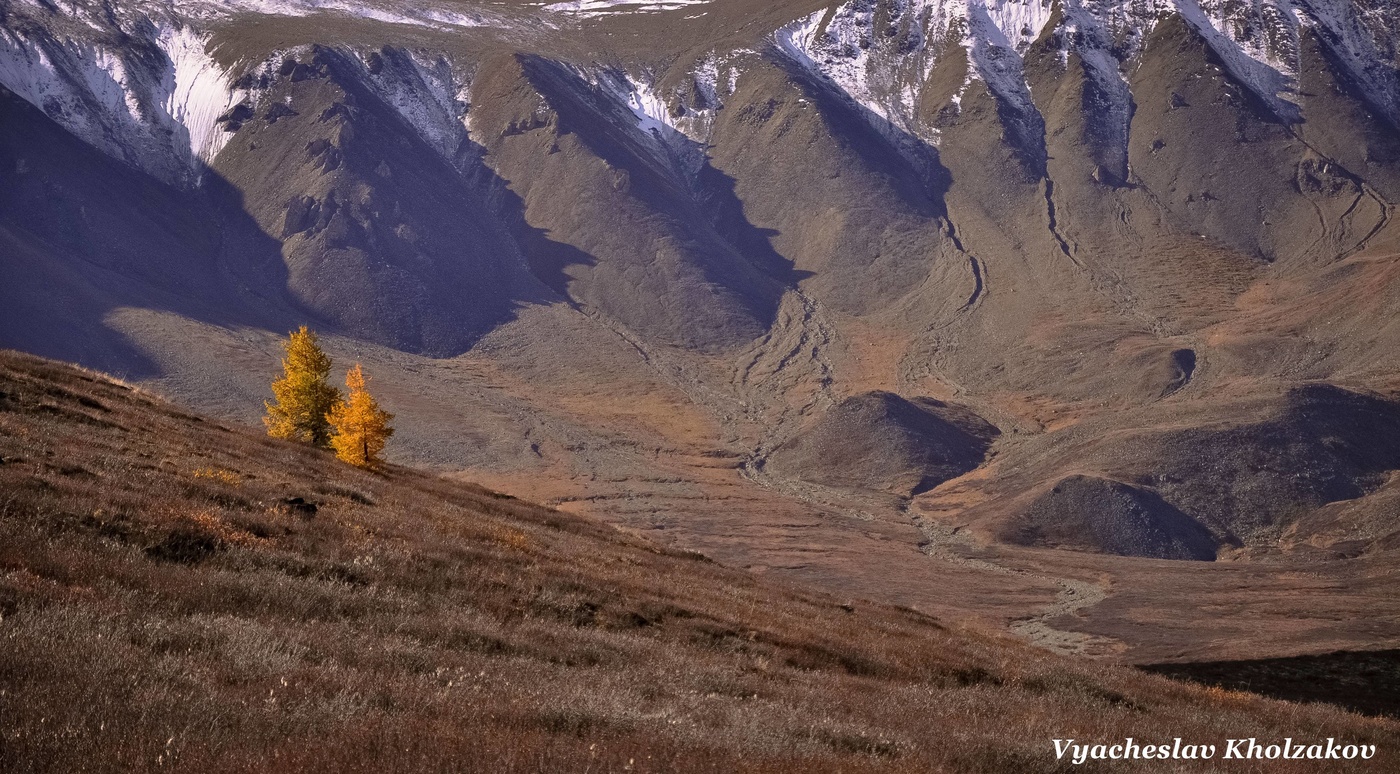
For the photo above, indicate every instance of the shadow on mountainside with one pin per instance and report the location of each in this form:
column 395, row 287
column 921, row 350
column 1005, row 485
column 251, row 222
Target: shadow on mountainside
column 84, row 234
column 912, row 165
column 687, row 224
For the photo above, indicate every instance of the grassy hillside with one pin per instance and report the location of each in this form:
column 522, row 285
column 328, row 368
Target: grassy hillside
column 182, row 595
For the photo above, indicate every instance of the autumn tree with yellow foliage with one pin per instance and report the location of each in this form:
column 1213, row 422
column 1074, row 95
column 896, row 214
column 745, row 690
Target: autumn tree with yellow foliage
column 303, row 397
column 359, row 427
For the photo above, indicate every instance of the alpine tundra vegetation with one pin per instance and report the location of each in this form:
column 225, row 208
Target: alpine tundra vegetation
column 1072, row 323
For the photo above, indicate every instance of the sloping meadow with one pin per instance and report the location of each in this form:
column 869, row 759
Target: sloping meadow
column 178, row 594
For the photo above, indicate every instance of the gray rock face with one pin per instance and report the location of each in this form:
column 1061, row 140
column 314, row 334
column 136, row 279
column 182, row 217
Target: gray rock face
column 382, row 234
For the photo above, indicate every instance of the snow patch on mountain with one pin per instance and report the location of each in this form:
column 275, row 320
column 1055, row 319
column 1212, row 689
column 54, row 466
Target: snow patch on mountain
column 431, row 93
column 1087, row 33
column 154, row 99
column 1265, row 61
column 1260, row 42
column 880, row 52
column 1364, row 41
column 597, row 8
column 153, row 103
column 197, row 92
column 675, row 129
column 431, row 16
column 1020, row 22
column 689, row 113
column 995, row 41
column 649, row 110
column 836, row 45
column 707, row 81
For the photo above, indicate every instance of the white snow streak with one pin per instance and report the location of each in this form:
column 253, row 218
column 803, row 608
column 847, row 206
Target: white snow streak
column 198, row 91
column 597, row 8
column 161, row 114
column 1257, row 40
column 159, row 117
column 1267, row 70
column 847, row 49
column 1356, row 37
column 414, row 15
column 431, row 95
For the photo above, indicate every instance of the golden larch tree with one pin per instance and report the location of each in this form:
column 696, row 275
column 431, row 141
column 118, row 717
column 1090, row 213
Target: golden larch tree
column 359, row 427
column 303, row 396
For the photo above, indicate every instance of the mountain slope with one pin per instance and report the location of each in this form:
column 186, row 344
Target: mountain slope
column 619, row 255
column 181, row 593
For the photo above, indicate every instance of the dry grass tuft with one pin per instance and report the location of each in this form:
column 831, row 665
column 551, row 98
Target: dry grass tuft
column 220, row 475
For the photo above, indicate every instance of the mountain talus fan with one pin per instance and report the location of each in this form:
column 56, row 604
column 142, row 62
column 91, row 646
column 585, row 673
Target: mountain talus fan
column 303, row 396
column 360, row 426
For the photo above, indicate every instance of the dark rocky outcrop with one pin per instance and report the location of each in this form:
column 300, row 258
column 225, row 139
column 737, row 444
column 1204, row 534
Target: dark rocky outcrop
column 1254, row 481
column 879, row 440
column 1099, row 514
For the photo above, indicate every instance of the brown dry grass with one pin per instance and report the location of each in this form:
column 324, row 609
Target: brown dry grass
column 167, row 605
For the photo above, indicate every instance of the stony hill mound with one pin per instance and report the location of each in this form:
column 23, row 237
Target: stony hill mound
column 1324, row 445
column 1097, row 514
column 193, row 596
column 1250, row 482
column 879, row 440
column 1312, row 468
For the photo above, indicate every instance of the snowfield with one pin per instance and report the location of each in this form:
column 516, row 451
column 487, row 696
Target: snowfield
column 1258, row 43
